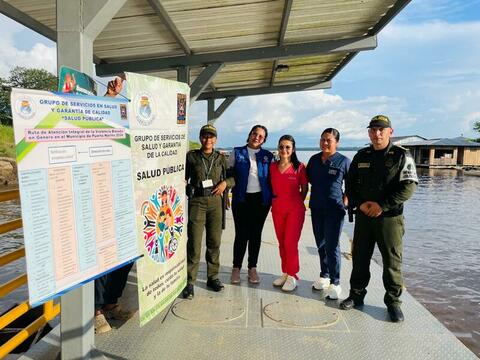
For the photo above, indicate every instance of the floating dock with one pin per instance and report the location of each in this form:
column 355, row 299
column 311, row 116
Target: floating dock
column 261, row 322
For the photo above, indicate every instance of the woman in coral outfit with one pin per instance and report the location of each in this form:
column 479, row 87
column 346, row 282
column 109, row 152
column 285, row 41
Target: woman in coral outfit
column 289, row 186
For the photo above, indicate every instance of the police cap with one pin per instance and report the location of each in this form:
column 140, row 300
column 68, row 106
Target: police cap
column 208, row 129
column 380, row 121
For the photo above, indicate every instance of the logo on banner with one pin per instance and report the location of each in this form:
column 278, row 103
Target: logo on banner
column 144, row 108
column 181, row 109
column 123, row 112
column 25, row 107
column 162, row 223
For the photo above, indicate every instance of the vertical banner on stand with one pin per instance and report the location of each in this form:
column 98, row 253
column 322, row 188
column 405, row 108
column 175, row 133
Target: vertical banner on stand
column 75, row 178
column 159, row 144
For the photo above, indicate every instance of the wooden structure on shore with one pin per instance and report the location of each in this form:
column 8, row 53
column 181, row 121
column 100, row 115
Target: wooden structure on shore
column 458, row 152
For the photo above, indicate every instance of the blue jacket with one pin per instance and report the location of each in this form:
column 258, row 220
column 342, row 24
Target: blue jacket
column 242, row 168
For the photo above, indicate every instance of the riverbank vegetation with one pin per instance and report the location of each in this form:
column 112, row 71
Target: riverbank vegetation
column 21, row 77
column 7, row 142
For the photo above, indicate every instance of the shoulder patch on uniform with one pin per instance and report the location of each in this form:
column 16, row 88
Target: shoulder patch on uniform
column 409, row 170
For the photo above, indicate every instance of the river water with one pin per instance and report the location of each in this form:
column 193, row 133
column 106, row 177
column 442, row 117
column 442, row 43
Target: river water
column 441, row 249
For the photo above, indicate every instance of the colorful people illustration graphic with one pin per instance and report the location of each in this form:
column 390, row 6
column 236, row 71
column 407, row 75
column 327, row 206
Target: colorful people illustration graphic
column 163, row 223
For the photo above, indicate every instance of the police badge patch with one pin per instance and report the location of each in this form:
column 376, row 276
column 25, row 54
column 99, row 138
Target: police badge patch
column 409, row 171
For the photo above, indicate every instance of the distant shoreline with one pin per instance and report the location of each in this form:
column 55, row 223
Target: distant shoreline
column 346, row 148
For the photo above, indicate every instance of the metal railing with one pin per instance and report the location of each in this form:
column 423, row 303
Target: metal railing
column 50, row 310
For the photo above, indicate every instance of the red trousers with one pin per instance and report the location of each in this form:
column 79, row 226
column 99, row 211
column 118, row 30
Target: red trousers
column 288, row 222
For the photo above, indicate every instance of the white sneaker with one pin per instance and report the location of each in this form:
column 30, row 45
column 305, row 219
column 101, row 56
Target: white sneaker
column 321, row 284
column 290, row 284
column 334, row 292
column 280, row 281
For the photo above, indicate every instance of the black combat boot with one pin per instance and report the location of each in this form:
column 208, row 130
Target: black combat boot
column 396, row 314
column 188, row 292
column 215, row 285
column 355, row 299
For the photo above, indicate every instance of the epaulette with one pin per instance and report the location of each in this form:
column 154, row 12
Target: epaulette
column 365, row 149
column 401, row 147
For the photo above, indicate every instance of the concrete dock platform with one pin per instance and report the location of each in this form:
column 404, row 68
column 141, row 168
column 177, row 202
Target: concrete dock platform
column 261, row 322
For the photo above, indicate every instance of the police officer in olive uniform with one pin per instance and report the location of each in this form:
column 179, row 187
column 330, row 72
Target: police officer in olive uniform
column 380, row 179
column 206, row 176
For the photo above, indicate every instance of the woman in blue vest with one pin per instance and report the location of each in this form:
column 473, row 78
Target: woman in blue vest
column 326, row 172
column 251, row 200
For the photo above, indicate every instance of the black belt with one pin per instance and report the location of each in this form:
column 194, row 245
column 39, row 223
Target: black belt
column 392, row 213
column 201, row 192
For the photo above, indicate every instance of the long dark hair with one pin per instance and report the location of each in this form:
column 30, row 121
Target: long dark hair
column 293, row 158
column 255, row 127
column 332, row 131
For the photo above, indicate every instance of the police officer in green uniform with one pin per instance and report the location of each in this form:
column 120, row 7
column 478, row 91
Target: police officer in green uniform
column 381, row 178
column 206, row 176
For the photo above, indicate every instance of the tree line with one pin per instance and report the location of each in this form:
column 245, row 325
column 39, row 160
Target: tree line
column 21, row 77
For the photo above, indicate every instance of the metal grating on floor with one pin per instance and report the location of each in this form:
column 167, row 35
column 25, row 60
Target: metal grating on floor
column 248, row 321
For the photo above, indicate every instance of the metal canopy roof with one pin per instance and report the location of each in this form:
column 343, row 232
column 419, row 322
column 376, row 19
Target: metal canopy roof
column 228, row 47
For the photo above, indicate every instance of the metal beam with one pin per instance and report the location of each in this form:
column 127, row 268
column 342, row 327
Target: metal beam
column 203, row 80
column 281, row 37
column 22, row 18
column 75, row 49
column 342, row 64
column 163, row 14
column 29, row 22
column 390, row 14
column 98, row 13
column 224, row 105
column 183, row 75
column 211, row 111
column 239, row 56
column 265, row 90
column 78, row 22
column 212, row 114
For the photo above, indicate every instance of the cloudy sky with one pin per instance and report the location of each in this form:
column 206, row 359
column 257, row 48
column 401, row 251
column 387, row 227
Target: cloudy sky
column 424, row 75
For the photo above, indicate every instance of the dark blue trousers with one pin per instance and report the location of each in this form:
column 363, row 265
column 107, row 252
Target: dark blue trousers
column 327, row 227
column 109, row 287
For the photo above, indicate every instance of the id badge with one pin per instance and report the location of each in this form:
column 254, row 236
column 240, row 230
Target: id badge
column 207, row 183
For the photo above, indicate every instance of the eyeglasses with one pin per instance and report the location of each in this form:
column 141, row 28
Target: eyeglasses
column 286, row 147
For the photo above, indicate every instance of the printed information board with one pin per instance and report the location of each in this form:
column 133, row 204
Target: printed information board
column 158, row 123
column 76, row 189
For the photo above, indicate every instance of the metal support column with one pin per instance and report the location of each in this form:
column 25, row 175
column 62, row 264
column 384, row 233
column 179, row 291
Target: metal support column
column 213, row 114
column 183, row 75
column 211, row 111
column 78, row 24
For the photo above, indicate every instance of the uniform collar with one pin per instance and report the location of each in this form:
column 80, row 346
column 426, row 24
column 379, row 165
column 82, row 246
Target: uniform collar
column 331, row 158
column 384, row 151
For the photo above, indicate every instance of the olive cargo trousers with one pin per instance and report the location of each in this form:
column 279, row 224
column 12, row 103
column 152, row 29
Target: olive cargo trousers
column 387, row 233
column 204, row 212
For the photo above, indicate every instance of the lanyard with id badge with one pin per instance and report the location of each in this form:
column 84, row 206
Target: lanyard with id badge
column 207, row 185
